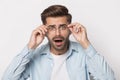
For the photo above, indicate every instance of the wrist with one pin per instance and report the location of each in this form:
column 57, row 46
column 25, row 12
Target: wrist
column 30, row 46
column 85, row 44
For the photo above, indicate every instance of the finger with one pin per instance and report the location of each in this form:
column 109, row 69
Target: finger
column 71, row 25
column 43, row 32
column 82, row 28
column 70, row 28
column 77, row 28
column 39, row 32
column 42, row 29
column 45, row 29
column 36, row 32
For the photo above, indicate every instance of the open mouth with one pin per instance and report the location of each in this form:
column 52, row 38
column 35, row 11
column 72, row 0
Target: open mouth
column 58, row 40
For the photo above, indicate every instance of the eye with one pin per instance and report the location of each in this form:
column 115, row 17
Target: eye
column 63, row 27
column 50, row 28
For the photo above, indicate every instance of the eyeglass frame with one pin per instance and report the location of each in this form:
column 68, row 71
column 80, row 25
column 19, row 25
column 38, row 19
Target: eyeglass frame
column 61, row 27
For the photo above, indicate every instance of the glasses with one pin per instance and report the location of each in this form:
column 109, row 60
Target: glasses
column 61, row 27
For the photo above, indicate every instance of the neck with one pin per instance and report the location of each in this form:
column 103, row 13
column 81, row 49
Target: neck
column 58, row 52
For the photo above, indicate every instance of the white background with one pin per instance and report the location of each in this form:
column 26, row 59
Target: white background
column 101, row 18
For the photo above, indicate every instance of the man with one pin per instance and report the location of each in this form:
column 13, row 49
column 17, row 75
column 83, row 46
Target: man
column 60, row 58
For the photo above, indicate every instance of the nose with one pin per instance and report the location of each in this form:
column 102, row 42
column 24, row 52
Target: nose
column 57, row 32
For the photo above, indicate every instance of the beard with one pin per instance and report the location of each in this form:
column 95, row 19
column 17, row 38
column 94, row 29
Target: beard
column 59, row 43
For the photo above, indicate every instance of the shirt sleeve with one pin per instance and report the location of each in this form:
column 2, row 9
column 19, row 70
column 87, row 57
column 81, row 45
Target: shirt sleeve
column 97, row 66
column 19, row 69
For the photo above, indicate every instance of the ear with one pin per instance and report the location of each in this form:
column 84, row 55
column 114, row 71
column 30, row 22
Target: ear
column 70, row 32
column 46, row 34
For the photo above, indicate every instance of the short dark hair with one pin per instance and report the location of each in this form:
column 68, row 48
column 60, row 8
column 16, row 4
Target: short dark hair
column 55, row 11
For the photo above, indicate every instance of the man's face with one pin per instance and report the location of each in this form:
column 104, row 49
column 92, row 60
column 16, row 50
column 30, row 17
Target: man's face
column 58, row 32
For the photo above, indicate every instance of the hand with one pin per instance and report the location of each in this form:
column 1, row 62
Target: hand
column 80, row 34
column 37, row 37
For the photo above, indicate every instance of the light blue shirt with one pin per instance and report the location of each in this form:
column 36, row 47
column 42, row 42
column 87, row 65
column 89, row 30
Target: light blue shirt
column 37, row 64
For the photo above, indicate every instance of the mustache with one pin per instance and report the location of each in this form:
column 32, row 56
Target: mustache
column 56, row 37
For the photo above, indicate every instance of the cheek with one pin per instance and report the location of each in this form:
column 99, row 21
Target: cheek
column 66, row 33
column 50, row 36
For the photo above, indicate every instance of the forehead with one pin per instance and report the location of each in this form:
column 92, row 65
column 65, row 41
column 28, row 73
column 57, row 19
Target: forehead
column 56, row 20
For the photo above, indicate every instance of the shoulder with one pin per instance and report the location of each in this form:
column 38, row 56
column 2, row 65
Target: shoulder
column 75, row 45
column 42, row 49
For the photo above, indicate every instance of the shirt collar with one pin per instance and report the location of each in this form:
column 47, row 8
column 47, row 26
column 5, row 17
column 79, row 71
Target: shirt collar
column 72, row 47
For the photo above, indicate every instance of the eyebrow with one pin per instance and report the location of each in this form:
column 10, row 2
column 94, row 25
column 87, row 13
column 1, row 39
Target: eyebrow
column 63, row 24
column 51, row 25
column 55, row 25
